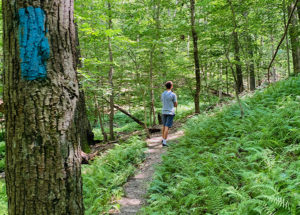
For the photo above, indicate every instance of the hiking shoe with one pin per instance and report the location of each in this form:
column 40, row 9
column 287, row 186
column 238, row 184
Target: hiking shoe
column 165, row 145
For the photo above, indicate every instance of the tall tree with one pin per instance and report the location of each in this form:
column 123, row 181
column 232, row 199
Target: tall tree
column 43, row 163
column 196, row 58
column 295, row 39
column 286, row 37
column 236, row 46
column 110, row 76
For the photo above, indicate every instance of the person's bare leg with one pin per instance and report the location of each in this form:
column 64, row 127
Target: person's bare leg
column 166, row 131
column 163, row 132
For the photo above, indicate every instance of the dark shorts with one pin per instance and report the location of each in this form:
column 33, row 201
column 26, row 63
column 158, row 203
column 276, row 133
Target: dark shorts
column 167, row 120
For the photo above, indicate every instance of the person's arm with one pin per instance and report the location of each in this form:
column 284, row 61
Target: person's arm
column 175, row 101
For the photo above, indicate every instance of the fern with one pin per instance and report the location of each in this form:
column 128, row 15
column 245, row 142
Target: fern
column 227, row 165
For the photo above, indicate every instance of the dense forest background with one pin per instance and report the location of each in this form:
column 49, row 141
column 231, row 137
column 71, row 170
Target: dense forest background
column 216, row 52
column 129, row 49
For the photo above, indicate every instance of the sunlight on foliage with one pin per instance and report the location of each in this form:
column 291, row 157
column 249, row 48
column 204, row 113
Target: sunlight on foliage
column 104, row 178
column 228, row 165
column 3, row 198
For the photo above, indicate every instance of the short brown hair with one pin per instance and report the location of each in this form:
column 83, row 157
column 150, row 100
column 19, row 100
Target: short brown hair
column 169, row 84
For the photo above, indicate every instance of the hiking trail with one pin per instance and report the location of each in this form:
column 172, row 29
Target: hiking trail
column 136, row 188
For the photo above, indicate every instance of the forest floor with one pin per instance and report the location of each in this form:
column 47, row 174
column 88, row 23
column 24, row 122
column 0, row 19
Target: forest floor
column 137, row 186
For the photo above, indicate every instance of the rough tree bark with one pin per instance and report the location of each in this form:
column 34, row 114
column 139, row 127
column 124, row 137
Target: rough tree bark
column 196, row 58
column 43, row 163
column 84, row 126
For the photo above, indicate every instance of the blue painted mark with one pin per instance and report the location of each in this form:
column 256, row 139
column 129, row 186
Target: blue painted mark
column 34, row 46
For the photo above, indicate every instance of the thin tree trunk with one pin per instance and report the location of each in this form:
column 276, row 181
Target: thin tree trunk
column 100, row 119
column 235, row 87
column 152, row 106
column 251, row 66
column 227, row 81
column 273, row 51
column 295, row 40
column 110, row 77
column 221, row 83
column 43, row 161
column 298, row 9
column 145, row 114
column 252, row 73
column 239, row 73
column 188, row 45
column 237, row 65
column 287, row 39
column 157, row 23
column 196, row 58
column 294, row 35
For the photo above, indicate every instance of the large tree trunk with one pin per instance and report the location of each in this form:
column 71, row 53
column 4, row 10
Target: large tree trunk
column 43, row 163
column 196, row 58
column 83, row 123
column 295, row 40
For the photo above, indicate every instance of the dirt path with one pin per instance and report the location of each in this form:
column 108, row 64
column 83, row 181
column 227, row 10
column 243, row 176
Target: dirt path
column 136, row 187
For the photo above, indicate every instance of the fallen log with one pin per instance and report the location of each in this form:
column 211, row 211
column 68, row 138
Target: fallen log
column 216, row 92
column 128, row 114
column 131, row 116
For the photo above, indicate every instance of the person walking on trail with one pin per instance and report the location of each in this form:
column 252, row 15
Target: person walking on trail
column 169, row 100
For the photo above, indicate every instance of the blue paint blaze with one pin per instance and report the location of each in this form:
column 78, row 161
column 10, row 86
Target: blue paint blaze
column 34, row 46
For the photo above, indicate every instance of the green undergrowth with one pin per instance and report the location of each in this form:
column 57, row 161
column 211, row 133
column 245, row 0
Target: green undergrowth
column 104, row 178
column 226, row 165
column 2, row 156
column 3, row 198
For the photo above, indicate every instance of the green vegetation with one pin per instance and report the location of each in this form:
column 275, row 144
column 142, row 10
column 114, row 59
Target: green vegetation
column 2, row 156
column 3, row 198
column 228, row 165
column 104, row 178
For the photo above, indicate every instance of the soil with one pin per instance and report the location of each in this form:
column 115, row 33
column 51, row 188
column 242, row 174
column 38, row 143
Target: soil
column 137, row 186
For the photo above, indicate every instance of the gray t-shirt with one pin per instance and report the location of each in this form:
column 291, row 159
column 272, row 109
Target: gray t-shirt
column 168, row 98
